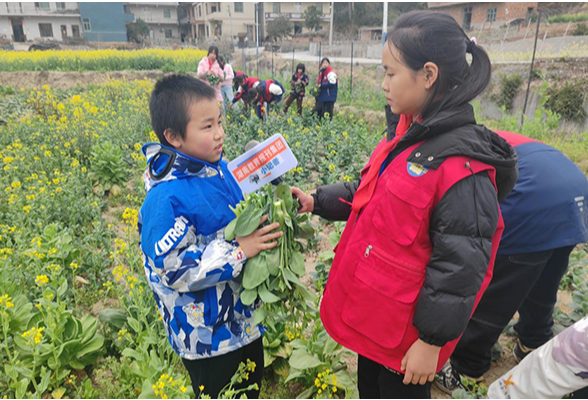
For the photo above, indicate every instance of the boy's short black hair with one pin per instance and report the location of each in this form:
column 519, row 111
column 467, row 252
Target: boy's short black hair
column 170, row 103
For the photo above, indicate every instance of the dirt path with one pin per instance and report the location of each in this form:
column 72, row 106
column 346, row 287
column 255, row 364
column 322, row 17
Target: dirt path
column 70, row 80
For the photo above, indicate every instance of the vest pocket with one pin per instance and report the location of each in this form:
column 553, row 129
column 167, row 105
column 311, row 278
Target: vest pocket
column 382, row 299
column 400, row 213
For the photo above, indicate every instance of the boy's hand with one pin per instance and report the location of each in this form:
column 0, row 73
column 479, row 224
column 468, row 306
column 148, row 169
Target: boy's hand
column 257, row 241
column 306, row 201
column 420, row 363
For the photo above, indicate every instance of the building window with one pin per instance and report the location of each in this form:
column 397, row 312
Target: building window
column 277, row 8
column 491, row 15
column 168, row 34
column 297, row 7
column 199, row 11
column 60, row 6
column 127, row 9
column 46, row 30
column 467, row 18
column 239, row 7
column 212, row 9
column 42, row 6
column 75, row 30
column 167, row 13
column 87, row 25
column 319, row 6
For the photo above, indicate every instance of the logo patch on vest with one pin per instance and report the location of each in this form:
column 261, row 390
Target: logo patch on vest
column 415, row 169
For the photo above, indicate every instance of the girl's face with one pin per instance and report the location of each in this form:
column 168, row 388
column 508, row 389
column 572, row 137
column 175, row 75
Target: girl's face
column 212, row 57
column 407, row 91
column 325, row 64
column 299, row 71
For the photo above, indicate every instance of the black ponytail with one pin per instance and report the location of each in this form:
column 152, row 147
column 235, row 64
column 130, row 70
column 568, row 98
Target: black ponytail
column 429, row 36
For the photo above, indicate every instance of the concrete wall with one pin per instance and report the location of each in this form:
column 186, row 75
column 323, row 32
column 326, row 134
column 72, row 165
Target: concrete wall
column 360, row 49
column 154, row 15
column 107, row 20
column 31, row 26
column 504, row 12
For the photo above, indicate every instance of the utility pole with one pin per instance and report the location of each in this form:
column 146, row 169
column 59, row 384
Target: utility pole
column 385, row 24
column 230, row 24
column 331, row 27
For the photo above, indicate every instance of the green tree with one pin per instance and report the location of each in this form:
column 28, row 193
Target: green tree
column 312, row 18
column 137, row 31
column 279, row 27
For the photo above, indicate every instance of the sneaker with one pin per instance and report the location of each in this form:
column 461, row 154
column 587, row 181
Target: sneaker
column 520, row 351
column 448, row 380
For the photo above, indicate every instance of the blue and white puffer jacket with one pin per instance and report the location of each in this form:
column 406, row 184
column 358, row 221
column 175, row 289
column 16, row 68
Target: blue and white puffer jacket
column 190, row 266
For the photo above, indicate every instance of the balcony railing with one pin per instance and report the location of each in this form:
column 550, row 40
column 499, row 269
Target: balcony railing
column 15, row 9
column 294, row 16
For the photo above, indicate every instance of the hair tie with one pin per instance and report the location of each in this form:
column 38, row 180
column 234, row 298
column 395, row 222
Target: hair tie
column 471, row 44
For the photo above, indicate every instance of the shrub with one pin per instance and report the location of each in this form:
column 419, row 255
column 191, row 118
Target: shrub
column 567, row 101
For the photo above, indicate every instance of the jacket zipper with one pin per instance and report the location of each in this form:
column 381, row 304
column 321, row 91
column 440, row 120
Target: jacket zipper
column 467, row 165
column 222, row 176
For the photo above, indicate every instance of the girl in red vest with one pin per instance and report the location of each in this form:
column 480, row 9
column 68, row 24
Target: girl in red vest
column 266, row 93
column 328, row 83
column 423, row 223
column 243, row 85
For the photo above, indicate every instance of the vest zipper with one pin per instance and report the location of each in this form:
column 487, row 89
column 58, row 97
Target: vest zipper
column 367, row 251
column 388, row 259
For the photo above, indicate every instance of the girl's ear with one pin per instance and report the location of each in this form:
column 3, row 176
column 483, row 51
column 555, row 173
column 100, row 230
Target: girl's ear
column 431, row 74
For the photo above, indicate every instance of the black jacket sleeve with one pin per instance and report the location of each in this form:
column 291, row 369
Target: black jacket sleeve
column 461, row 230
column 328, row 204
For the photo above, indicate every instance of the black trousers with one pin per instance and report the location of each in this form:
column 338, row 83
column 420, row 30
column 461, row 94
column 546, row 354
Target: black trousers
column 291, row 99
column 322, row 107
column 375, row 381
column 526, row 283
column 216, row 372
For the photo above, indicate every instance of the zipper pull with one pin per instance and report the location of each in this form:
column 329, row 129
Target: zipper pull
column 367, row 251
column 221, row 173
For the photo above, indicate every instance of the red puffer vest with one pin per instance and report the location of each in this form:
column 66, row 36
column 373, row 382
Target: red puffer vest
column 267, row 95
column 381, row 260
column 322, row 78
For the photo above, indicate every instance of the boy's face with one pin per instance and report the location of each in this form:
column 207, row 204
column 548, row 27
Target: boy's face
column 204, row 133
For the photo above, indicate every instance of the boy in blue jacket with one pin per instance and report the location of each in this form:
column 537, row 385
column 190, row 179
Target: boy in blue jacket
column 191, row 268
